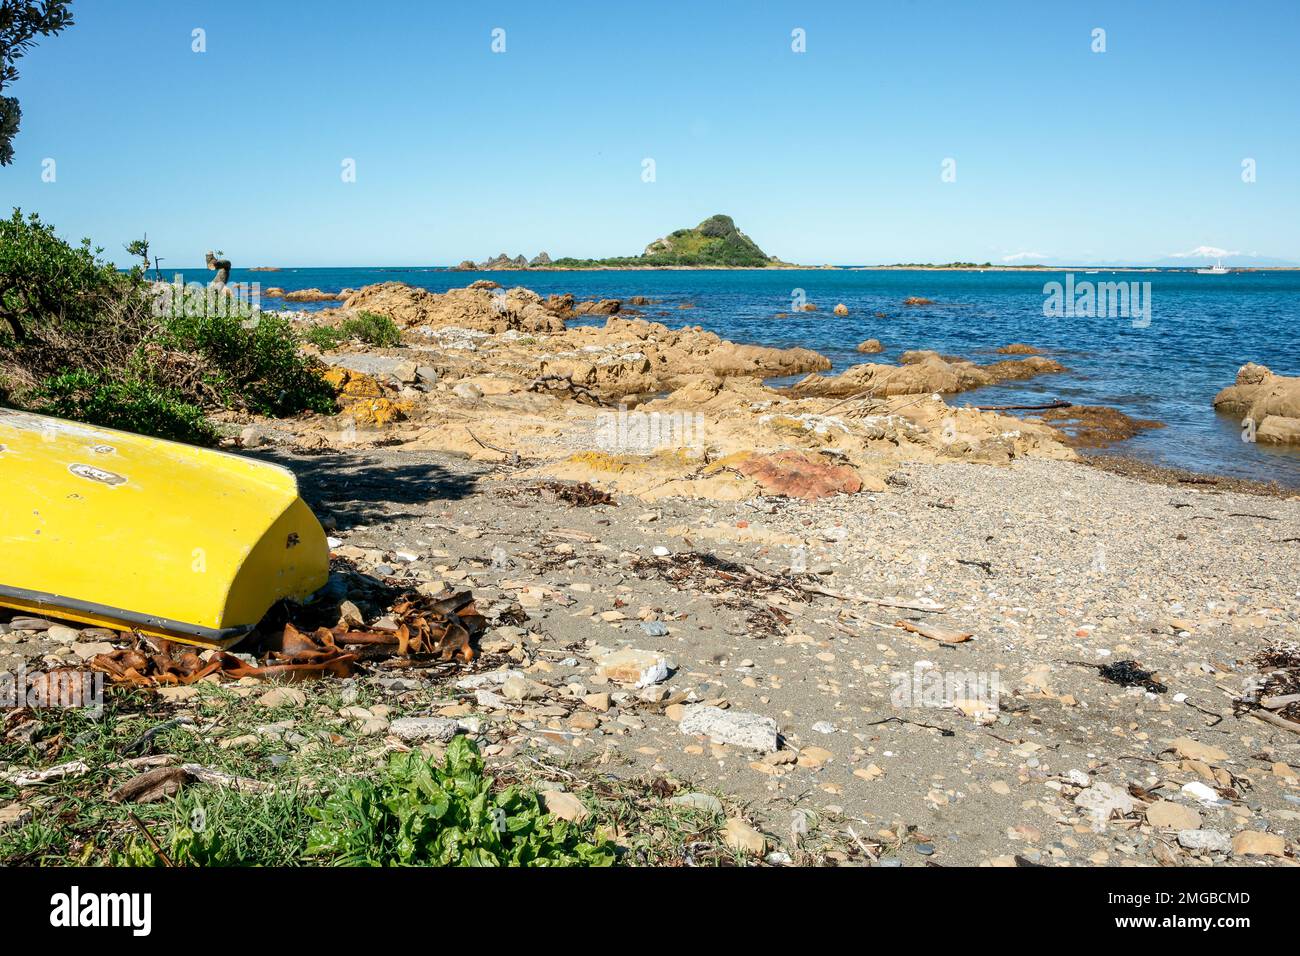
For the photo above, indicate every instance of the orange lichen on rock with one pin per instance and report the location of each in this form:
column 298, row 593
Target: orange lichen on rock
column 379, row 411
column 350, row 384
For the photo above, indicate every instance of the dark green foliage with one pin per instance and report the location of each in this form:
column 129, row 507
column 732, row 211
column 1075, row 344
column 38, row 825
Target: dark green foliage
column 128, row 403
column 251, row 361
column 21, row 22
column 368, row 327
column 44, row 279
column 420, row 814
column 81, row 340
column 140, row 249
column 718, row 226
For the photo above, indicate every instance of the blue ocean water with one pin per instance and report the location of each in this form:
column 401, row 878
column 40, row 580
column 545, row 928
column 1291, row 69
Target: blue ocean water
column 1202, row 329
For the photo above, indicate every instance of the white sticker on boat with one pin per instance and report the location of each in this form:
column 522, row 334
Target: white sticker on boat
column 97, row 474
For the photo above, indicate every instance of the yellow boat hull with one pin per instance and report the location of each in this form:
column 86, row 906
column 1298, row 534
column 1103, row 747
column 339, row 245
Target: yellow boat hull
column 130, row 532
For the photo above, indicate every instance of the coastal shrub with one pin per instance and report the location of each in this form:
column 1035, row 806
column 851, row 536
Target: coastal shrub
column 128, row 404
column 251, row 362
column 324, row 337
column 80, row 339
column 420, row 813
column 49, row 284
column 373, row 329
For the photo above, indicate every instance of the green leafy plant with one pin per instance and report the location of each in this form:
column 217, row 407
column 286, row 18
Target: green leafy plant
column 419, row 813
column 252, row 360
column 373, row 329
column 128, row 403
column 324, row 337
column 49, row 282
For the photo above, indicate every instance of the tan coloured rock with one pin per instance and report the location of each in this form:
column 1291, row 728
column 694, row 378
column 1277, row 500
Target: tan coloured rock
column 565, row 805
column 633, row 666
column 310, row 295
column 282, row 697
column 922, row 372
column 479, row 308
column 1166, row 815
column 743, row 838
column 537, row 394
column 1269, row 404
column 598, row 307
column 1258, row 843
column 1190, row 749
column 633, row 356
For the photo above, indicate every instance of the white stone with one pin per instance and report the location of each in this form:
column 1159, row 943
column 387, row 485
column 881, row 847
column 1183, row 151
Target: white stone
column 1103, row 800
column 737, row 727
column 1212, row 841
column 414, row 729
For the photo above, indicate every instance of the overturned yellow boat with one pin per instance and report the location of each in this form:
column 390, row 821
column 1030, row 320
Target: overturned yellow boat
column 125, row 531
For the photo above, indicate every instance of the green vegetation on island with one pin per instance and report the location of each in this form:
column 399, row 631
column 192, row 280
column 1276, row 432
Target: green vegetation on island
column 715, row 243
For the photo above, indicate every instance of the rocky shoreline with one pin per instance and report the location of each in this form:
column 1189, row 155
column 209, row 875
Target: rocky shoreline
column 846, row 623
column 500, row 341
column 634, row 406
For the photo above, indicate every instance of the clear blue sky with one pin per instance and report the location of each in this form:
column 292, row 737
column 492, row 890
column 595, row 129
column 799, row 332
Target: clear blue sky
column 833, row 155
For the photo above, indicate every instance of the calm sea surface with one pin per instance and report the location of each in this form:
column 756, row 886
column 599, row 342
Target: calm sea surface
column 1202, row 329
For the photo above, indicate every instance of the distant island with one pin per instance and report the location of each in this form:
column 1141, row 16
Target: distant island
column 715, row 243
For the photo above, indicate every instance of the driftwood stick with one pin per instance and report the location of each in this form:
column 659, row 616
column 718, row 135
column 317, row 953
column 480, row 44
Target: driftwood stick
column 153, row 842
column 513, row 456
column 219, row 778
column 1276, row 721
column 879, row 602
column 1277, row 703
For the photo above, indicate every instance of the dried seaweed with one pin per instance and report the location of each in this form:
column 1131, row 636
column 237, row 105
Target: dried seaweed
column 1282, row 662
column 707, row 572
column 580, row 494
column 1126, row 674
column 1131, row 674
column 444, row 626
